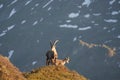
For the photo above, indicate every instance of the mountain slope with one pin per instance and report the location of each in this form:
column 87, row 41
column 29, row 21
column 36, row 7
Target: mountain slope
column 53, row 73
column 8, row 71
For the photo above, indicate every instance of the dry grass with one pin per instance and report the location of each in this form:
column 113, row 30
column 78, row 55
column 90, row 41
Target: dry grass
column 8, row 71
column 53, row 73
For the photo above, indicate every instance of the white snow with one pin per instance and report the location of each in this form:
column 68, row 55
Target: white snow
column 92, row 21
column 1, row 5
column 11, row 27
column 37, row 4
column 34, row 62
column 68, row 26
column 49, row 2
column 87, row 15
column 73, row 15
column 13, row 2
column 111, row 20
column 118, row 36
column 35, row 23
column 49, row 8
column 96, row 14
column 13, row 11
column 84, row 28
column 23, row 21
column 74, row 39
column 68, row 21
column 2, row 34
column 104, row 28
column 28, row 2
column 87, row 3
column 115, row 12
column 10, row 53
column 119, row 2
column 111, row 2
column 6, row 30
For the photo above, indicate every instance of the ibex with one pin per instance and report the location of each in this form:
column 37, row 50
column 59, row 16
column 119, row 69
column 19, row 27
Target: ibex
column 53, row 48
column 61, row 62
column 52, row 54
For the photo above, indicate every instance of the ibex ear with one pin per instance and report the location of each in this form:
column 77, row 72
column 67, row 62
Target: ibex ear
column 68, row 58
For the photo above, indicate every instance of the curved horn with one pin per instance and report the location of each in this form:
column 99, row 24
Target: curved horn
column 55, row 42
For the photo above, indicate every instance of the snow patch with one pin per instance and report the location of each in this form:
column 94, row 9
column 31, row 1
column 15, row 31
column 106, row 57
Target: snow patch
column 28, row 2
column 11, row 27
column 119, row 2
column 115, row 12
column 49, row 8
column 111, row 2
column 118, row 36
column 85, row 28
column 87, row 15
column 12, row 2
column 74, row 39
column 6, row 30
column 13, row 11
column 73, row 15
column 96, row 14
column 34, row 62
column 2, row 34
column 49, row 2
column 68, row 26
column 1, row 5
column 68, row 21
column 35, row 23
column 111, row 20
column 23, row 21
column 10, row 53
column 104, row 28
column 87, row 3
column 37, row 4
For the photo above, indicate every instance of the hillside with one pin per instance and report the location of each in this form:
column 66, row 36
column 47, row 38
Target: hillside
column 9, row 72
column 53, row 73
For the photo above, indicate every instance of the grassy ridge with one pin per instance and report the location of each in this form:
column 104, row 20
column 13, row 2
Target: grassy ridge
column 53, row 73
column 9, row 72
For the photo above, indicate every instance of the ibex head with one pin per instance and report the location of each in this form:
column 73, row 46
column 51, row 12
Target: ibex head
column 67, row 59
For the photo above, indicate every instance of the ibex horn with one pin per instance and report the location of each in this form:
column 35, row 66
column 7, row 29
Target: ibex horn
column 55, row 42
